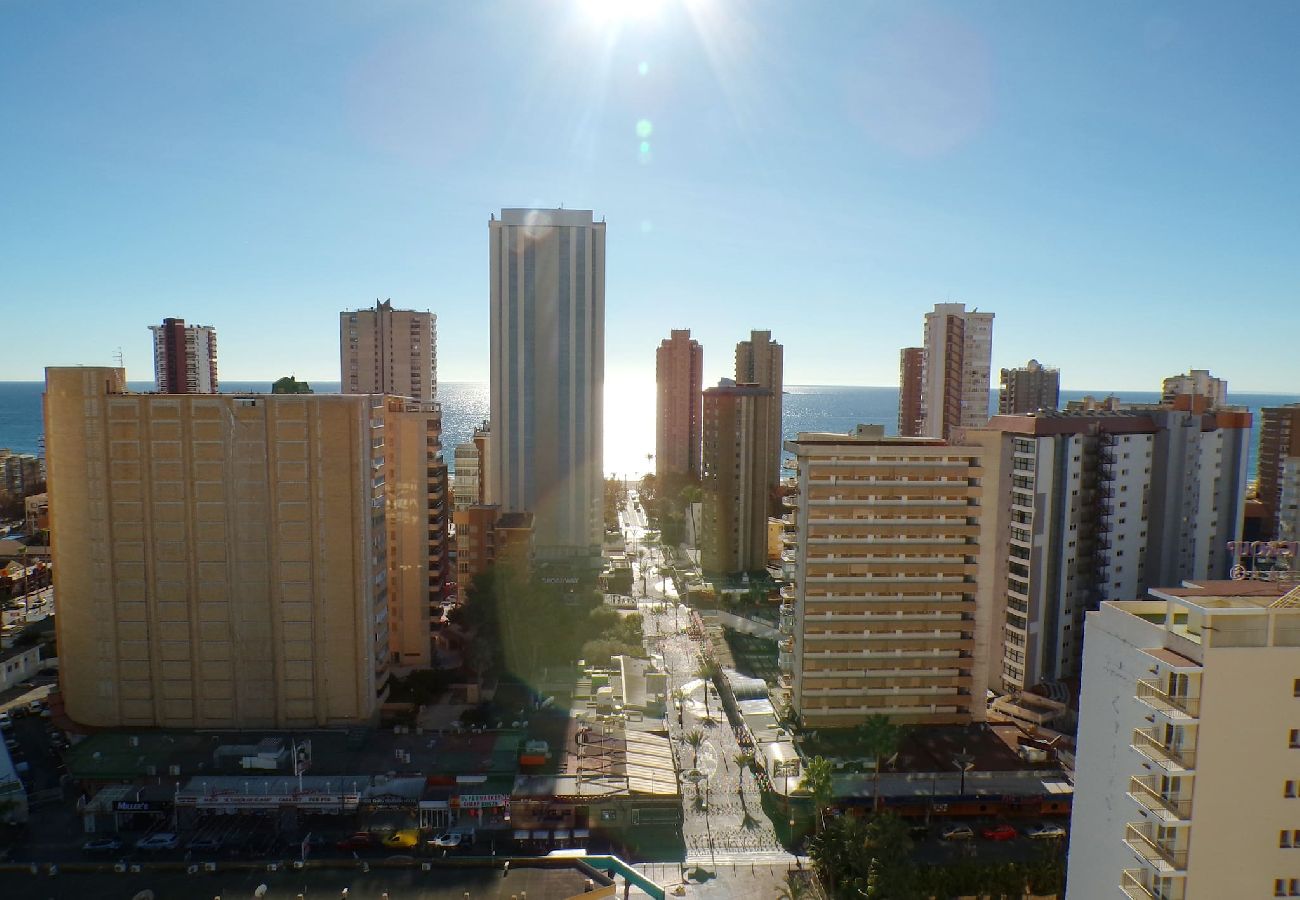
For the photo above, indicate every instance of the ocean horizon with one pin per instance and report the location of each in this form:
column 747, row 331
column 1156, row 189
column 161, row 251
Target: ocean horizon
column 629, row 421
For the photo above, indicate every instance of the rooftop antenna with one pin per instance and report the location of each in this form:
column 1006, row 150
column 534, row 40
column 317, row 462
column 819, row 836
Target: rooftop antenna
column 121, row 363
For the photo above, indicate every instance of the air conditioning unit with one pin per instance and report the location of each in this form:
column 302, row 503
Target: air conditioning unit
column 134, row 869
column 209, row 867
column 272, row 867
column 297, row 863
column 426, row 867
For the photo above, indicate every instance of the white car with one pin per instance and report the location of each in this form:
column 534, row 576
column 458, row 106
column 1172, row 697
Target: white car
column 1045, row 831
column 450, row 839
column 163, row 840
column 957, row 833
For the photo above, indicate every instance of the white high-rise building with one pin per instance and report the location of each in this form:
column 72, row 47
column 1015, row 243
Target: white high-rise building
column 1101, row 505
column 1186, row 783
column 545, row 450
column 955, row 369
column 184, row 357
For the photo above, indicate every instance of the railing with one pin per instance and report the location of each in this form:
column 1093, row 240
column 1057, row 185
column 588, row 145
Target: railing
column 1131, row 884
column 1158, row 854
column 1151, row 694
column 1164, row 755
column 1152, row 799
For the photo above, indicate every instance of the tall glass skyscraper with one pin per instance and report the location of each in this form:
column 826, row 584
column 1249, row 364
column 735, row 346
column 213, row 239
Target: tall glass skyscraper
column 548, row 372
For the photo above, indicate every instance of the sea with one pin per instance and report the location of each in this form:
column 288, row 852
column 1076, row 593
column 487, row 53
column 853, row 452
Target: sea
column 629, row 420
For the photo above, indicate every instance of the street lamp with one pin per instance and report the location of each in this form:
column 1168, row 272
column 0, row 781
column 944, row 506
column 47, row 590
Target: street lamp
column 964, row 762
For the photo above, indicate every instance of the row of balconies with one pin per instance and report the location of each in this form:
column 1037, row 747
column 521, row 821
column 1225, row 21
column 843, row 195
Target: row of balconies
column 934, row 690
column 927, row 652
column 1178, row 758
column 1168, row 807
column 1165, row 857
column 1175, row 706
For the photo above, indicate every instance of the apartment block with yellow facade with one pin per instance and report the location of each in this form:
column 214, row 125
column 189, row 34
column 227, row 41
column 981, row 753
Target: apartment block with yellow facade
column 884, row 618
column 221, row 560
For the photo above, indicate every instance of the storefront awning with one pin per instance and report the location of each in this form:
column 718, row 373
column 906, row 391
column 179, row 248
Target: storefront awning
column 541, row 835
column 562, row 834
column 581, row 832
column 521, row 834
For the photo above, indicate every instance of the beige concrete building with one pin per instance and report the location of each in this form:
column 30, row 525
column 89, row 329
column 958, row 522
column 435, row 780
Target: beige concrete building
column 1186, row 783
column 760, row 361
column 389, row 351
column 221, row 560
column 415, row 479
column 21, row 475
column 736, row 482
column 1196, row 383
column 486, row 537
column 883, row 617
column 956, row 368
column 1029, row 388
column 679, row 377
column 547, row 320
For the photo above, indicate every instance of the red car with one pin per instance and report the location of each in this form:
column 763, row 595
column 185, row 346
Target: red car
column 998, row 833
column 362, row 840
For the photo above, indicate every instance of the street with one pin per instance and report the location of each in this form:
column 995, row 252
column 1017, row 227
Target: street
column 723, row 822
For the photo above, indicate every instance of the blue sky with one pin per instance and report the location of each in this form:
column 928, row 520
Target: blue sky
column 1117, row 181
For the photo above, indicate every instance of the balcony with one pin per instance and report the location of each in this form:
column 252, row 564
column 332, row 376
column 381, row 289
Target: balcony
column 1167, row 808
column 1175, row 706
column 1163, row 857
column 1175, row 759
column 1134, row 886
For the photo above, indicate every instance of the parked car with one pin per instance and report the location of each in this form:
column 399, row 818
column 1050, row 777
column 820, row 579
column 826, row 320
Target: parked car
column 362, row 840
column 451, row 840
column 957, row 833
column 403, row 839
column 204, row 844
column 102, row 845
column 998, row 833
column 1045, row 831
column 163, row 840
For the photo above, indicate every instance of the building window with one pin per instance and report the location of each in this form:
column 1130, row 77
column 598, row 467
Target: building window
column 1295, row 688
column 1289, row 791
column 1295, row 739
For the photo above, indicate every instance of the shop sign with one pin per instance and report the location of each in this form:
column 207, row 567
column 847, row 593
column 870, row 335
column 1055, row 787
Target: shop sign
column 480, row 801
column 137, row 806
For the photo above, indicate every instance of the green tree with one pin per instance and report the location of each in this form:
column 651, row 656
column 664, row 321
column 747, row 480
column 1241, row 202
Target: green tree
column 817, row 781
column 880, row 738
column 695, row 738
column 707, row 671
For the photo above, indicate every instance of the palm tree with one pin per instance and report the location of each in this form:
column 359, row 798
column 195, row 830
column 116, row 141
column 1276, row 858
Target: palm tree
column 817, row 781
column 796, row 887
column 707, row 671
column 695, row 738
column 880, row 738
column 743, row 760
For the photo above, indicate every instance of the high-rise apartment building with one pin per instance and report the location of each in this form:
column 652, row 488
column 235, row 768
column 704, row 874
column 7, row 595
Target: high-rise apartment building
column 1029, row 388
column 184, row 357
column 395, row 352
column 415, row 478
column 679, row 374
column 21, row 475
column 736, row 477
column 1196, row 383
column 911, row 366
column 389, row 351
column 222, row 560
column 760, row 361
column 955, row 369
column 548, row 371
column 1185, row 779
column 884, row 618
column 1098, row 505
column 469, row 484
column 1277, row 473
